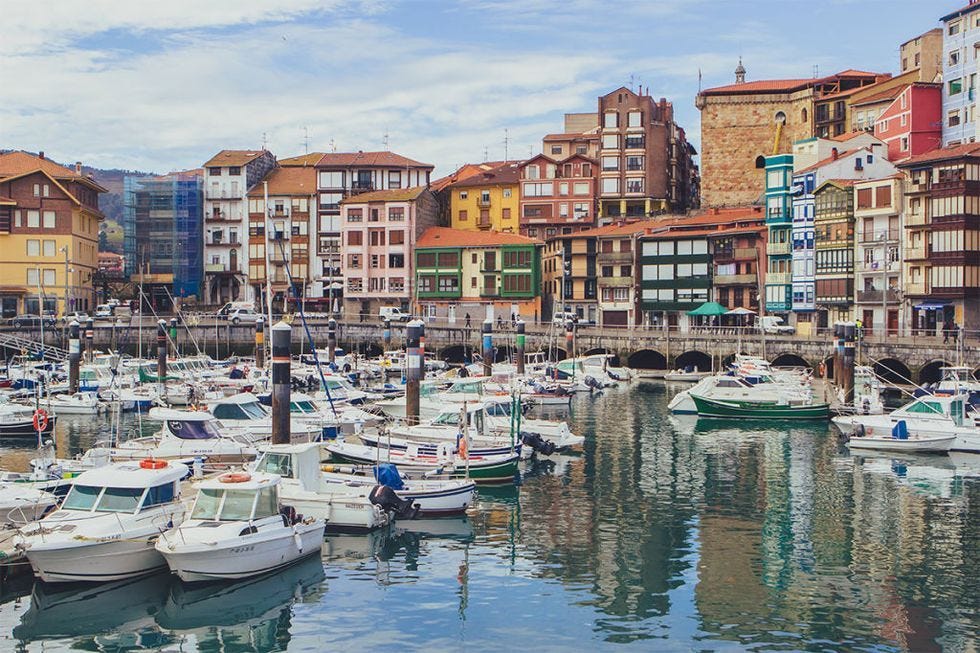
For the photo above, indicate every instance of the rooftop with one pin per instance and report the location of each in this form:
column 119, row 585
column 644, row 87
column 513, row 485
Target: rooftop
column 394, row 195
column 505, row 174
column 829, row 159
column 17, row 163
column 973, row 6
column 446, row 237
column 571, row 136
column 310, row 159
column 291, row 180
column 943, row 153
column 236, row 158
column 464, row 172
column 782, row 85
column 368, row 160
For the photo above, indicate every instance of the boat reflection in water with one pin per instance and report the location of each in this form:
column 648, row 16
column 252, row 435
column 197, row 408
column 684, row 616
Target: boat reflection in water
column 249, row 615
column 119, row 614
column 934, row 475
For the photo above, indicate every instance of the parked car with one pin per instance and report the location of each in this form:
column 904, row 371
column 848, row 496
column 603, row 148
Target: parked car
column 393, row 314
column 242, row 314
column 563, row 317
column 80, row 316
column 31, row 321
column 230, row 307
column 774, row 324
column 103, row 311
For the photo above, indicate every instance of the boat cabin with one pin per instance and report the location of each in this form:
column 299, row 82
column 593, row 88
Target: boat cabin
column 241, row 407
column 935, row 408
column 299, row 462
column 237, row 496
column 128, row 487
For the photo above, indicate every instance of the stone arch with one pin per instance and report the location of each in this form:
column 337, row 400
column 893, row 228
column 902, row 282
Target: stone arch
column 892, row 371
column 647, row 359
column 760, row 162
column 455, row 353
column 696, row 358
column 929, row 373
column 780, row 118
column 804, row 116
column 789, row 360
column 596, row 350
column 829, row 366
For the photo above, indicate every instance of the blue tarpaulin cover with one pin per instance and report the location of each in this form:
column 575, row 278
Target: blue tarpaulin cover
column 387, row 474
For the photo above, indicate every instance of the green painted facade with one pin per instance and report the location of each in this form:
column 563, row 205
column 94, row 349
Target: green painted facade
column 440, row 272
column 675, row 274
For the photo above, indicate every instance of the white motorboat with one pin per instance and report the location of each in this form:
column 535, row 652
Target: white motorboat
column 482, row 469
column 106, row 527
column 686, row 376
column 733, row 387
column 245, row 414
column 22, row 503
column 346, row 508
column 186, row 434
column 433, row 497
column 17, row 420
column 79, row 403
column 239, row 528
column 919, row 444
column 929, row 416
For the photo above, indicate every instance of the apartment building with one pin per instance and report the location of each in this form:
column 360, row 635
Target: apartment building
column 833, row 223
column 878, row 205
column 570, row 273
column 779, row 220
column 379, row 232
column 228, row 176
column 49, row 233
column 616, row 263
column 557, row 196
column 923, row 54
column 488, row 200
column 344, row 174
column 961, row 42
column 911, row 124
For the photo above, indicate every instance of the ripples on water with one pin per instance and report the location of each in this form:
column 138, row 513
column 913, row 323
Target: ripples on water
column 666, row 532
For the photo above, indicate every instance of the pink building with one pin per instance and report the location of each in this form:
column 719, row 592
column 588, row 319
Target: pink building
column 378, row 234
column 557, row 197
column 912, row 124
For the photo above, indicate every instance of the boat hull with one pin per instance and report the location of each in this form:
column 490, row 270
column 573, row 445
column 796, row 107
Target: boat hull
column 479, row 472
column 99, row 562
column 910, row 445
column 754, row 410
column 25, row 429
column 244, row 557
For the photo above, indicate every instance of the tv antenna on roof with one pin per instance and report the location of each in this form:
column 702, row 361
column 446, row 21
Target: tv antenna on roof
column 384, row 140
column 306, row 140
column 265, row 141
column 506, row 144
column 816, row 71
column 333, row 145
column 486, row 154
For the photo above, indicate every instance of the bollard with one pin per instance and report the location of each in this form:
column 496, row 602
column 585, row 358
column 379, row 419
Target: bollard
column 260, row 343
column 413, row 368
column 90, row 340
column 488, row 347
column 161, row 352
column 386, row 334
column 173, row 335
column 331, row 340
column 520, row 346
column 847, row 362
column 281, row 338
column 74, row 356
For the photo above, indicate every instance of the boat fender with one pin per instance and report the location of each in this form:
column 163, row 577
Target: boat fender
column 152, row 463
column 235, row 477
column 384, row 497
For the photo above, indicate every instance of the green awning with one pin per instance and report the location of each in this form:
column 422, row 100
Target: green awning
column 709, row 308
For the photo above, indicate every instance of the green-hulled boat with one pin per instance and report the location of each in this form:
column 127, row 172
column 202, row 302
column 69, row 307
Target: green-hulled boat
column 499, row 468
column 760, row 409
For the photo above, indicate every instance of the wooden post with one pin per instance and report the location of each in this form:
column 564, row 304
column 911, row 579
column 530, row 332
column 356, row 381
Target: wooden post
column 281, row 338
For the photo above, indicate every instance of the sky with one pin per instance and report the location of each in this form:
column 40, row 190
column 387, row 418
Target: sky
column 161, row 86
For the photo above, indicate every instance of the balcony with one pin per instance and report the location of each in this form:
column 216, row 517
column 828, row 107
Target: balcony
column 777, row 278
column 219, row 268
column 488, row 292
column 876, row 296
column 484, row 224
column 916, row 219
column 221, row 240
column 610, row 258
column 917, row 288
column 919, row 253
column 483, row 202
column 221, row 216
column 734, row 279
column 618, row 282
column 357, row 187
column 222, row 194
column 737, row 254
column 778, row 249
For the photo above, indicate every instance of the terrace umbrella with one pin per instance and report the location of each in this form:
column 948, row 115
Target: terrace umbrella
column 740, row 314
column 708, row 309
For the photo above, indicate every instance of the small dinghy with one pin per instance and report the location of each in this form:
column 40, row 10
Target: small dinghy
column 238, row 528
column 901, row 440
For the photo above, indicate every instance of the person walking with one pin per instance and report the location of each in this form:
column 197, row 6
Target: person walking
column 467, row 320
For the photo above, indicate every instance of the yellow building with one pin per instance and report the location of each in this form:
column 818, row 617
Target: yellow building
column 49, row 236
column 488, row 201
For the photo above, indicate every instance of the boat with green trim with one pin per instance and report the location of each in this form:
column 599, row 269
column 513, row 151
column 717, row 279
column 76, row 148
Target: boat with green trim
column 782, row 409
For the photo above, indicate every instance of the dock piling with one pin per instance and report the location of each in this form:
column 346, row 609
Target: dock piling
column 281, row 338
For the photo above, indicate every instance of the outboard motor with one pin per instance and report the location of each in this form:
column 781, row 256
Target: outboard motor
column 384, row 496
column 539, row 444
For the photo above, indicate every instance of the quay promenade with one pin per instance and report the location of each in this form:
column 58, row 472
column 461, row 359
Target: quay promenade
column 901, row 359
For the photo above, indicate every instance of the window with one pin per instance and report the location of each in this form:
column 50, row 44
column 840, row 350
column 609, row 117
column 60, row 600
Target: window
column 396, row 260
column 376, row 262
column 396, row 237
column 355, row 284
column 634, row 185
column 377, row 237
column 37, row 190
column 563, row 188
column 953, row 118
column 425, row 259
column 354, row 260
column 607, row 270
column 375, row 215
column 556, row 149
column 581, row 149
column 396, row 214
column 44, row 190
column 463, row 216
column 610, row 141
column 330, row 179
column 355, row 238
column 517, row 283
column 635, row 142
column 610, row 163
column 463, row 195
column 610, row 120
column 634, row 162
column 33, row 219
column 538, row 189
column 954, row 57
column 954, row 28
column 448, row 284
column 635, row 119
column 905, row 144
column 955, row 86
column 49, row 278
column 234, row 171
column 330, row 200
column 610, row 185
column 394, row 179
column 33, row 247
column 49, row 248
column 507, row 192
column 355, row 215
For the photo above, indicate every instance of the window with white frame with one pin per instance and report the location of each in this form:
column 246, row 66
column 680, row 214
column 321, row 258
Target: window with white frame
column 610, row 185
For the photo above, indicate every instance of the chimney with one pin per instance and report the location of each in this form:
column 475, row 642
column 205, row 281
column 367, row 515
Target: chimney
column 834, row 154
column 78, row 167
column 40, row 154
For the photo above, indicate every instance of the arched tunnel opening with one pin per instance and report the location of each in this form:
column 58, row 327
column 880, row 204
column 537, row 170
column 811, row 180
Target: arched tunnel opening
column 647, row 359
column 931, row 373
column 789, row 360
column 892, row 371
column 698, row 359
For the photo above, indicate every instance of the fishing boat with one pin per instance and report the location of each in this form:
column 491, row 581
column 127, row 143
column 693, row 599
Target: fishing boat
column 106, row 527
column 432, row 497
column 691, row 375
column 344, row 508
column 239, row 528
column 929, row 416
column 17, row 421
column 755, row 408
column 899, row 442
column 185, row 435
column 485, row 469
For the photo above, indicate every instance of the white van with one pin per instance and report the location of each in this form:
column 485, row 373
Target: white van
column 226, row 310
column 563, row 317
column 244, row 314
column 393, row 314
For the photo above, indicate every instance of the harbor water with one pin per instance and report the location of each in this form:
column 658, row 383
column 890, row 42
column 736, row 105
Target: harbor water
column 664, row 533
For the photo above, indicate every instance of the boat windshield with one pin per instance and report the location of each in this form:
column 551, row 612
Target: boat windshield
column 302, row 407
column 251, row 410
column 81, row 497
column 193, row 430
column 223, row 505
column 120, row 499
column 472, row 387
column 276, row 463
column 498, row 410
column 207, row 504
column 926, row 407
column 450, row 418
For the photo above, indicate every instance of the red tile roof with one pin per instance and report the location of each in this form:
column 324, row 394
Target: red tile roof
column 503, row 175
column 446, row 237
column 571, row 137
column 368, row 160
column 310, row 159
column 843, row 138
column 940, row 154
column 887, row 94
column 17, row 163
column 620, row 228
column 465, row 171
column 841, row 182
column 233, row 158
column 829, row 159
column 761, row 86
column 291, row 180
column 7, row 201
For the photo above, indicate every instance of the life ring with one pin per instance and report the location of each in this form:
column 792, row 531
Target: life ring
column 40, row 419
column 152, row 463
column 246, row 371
column 235, row 477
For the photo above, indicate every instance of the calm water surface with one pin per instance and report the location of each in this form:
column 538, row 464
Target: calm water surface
column 664, row 534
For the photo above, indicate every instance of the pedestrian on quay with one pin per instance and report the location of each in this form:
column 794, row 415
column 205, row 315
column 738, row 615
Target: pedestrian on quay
column 947, row 331
column 467, row 320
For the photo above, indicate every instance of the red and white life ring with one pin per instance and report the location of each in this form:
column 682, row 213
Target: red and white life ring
column 235, row 477
column 40, row 419
column 152, row 463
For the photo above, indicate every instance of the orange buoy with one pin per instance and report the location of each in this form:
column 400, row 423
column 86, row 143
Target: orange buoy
column 235, row 477
column 152, row 463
